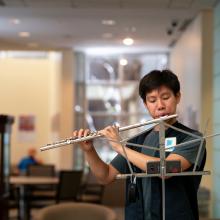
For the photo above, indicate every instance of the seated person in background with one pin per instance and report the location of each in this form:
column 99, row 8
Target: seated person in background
column 30, row 159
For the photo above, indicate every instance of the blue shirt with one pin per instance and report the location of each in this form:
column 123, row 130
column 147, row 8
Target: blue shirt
column 25, row 162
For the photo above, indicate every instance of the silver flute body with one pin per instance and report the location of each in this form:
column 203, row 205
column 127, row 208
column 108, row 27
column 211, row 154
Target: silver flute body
column 73, row 140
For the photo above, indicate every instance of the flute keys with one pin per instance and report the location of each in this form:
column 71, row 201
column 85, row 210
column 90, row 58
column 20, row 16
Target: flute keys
column 93, row 133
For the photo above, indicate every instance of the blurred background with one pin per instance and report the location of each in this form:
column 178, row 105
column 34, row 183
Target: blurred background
column 70, row 64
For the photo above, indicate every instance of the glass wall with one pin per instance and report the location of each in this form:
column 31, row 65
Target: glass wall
column 111, row 94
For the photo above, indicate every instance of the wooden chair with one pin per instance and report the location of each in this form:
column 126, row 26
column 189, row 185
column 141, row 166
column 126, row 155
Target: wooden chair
column 69, row 185
column 67, row 189
column 46, row 170
column 41, row 192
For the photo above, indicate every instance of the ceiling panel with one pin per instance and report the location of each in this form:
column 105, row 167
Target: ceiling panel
column 112, row 3
column 49, row 3
column 96, row 4
column 39, row 3
column 181, row 4
column 145, row 3
column 120, row 3
column 14, row 3
column 71, row 23
column 204, row 3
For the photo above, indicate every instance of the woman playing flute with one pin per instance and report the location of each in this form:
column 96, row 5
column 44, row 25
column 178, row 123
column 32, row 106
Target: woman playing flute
column 160, row 92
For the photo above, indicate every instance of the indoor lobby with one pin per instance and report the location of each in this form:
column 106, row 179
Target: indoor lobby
column 72, row 64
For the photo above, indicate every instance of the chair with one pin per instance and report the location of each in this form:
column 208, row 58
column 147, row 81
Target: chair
column 76, row 211
column 42, row 191
column 41, row 170
column 13, row 202
column 39, row 196
column 67, row 189
column 69, row 185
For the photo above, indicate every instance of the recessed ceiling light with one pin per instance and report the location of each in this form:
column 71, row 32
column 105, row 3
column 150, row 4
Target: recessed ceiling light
column 108, row 22
column 128, row 41
column 24, row 34
column 15, row 21
column 123, row 62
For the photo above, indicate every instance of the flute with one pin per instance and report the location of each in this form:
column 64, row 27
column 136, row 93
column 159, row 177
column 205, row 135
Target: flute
column 92, row 135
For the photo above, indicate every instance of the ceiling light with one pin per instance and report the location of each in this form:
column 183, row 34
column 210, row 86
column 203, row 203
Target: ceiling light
column 108, row 22
column 128, row 41
column 15, row 21
column 123, row 62
column 24, row 34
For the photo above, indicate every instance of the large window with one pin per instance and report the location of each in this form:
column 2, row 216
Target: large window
column 111, row 93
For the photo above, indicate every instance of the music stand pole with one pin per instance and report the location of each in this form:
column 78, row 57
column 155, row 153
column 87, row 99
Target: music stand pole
column 162, row 163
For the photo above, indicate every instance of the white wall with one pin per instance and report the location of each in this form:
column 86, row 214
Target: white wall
column 191, row 59
column 185, row 61
column 216, row 107
column 65, row 154
column 39, row 86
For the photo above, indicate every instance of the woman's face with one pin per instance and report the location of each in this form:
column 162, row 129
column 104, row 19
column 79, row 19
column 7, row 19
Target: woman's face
column 161, row 102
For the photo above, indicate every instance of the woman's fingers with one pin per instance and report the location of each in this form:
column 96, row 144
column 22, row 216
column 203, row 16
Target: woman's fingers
column 86, row 132
column 110, row 132
column 80, row 133
column 85, row 145
column 75, row 133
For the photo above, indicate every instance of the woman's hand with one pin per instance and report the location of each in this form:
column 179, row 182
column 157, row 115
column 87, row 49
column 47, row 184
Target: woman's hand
column 84, row 145
column 112, row 134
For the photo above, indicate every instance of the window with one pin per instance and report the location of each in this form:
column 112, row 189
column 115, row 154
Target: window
column 110, row 94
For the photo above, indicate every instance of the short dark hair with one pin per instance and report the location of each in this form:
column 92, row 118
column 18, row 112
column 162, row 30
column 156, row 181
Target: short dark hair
column 157, row 78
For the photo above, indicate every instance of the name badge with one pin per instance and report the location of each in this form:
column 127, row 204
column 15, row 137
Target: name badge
column 170, row 143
